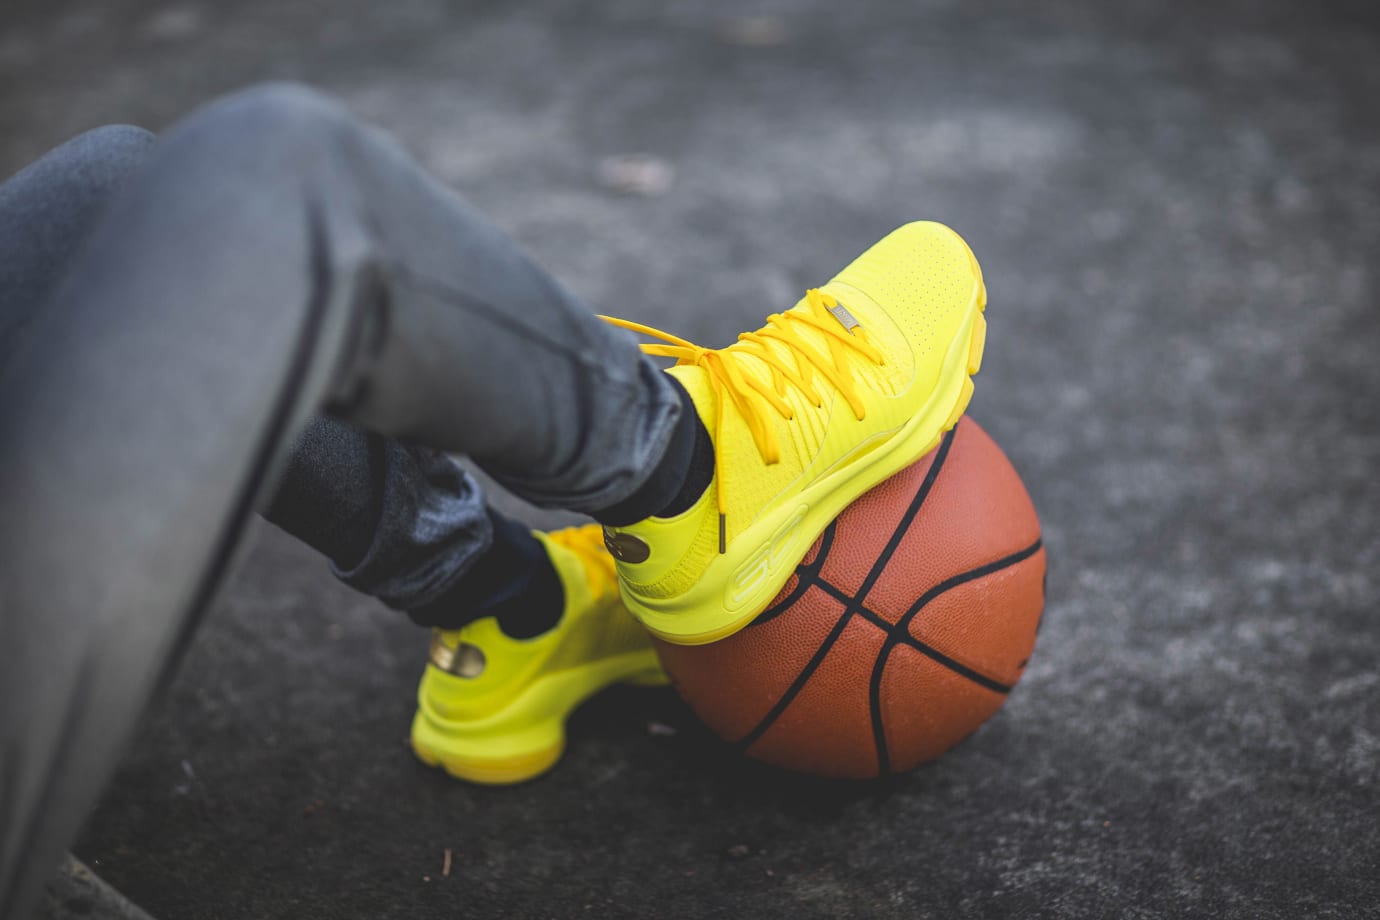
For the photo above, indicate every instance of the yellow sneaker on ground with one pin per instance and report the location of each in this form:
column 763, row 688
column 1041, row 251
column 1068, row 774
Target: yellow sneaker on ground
column 491, row 709
column 825, row 401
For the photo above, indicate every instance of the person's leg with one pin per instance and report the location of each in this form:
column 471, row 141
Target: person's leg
column 277, row 195
column 401, row 522
column 48, row 209
column 271, row 258
column 407, row 524
column 416, row 515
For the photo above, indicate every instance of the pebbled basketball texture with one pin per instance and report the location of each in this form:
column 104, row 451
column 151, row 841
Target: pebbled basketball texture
column 903, row 629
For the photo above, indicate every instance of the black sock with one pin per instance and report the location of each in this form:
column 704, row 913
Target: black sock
column 685, row 471
column 514, row 582
column 332, row 491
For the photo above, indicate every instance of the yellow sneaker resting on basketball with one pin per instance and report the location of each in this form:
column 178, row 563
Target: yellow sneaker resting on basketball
column 851, row 385
column 491, row 709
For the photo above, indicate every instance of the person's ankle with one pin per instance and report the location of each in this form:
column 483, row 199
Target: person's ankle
column 514, row 581
column 679, row 478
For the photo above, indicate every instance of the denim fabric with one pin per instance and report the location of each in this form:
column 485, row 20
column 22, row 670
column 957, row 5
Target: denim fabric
column 175, row 313
column 559, row 407
column 401, row 522
column 48, row 209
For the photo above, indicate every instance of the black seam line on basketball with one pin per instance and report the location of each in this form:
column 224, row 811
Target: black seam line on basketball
column 906, row 638
column 902, row 629
column 903, row 525
column 797, row 685
column 970, row 575
column 885, row 556
column 897, row 535
column 806, row 573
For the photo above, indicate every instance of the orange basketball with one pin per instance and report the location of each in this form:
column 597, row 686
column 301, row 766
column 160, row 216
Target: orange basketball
column 902, row 630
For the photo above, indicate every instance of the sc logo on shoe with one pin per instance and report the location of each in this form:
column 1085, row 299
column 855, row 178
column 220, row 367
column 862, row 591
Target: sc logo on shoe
column 766, row 562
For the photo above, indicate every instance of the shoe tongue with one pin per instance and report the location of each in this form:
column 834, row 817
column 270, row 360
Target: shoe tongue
column 695, row 379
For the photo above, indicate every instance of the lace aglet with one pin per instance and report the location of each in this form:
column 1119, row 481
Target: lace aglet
column 723, row 534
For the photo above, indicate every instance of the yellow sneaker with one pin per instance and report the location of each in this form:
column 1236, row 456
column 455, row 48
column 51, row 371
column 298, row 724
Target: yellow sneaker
column 850, row 386
column 491, row 709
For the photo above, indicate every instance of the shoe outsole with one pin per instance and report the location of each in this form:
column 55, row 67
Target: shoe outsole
column 493, row 753
column 797, row 526
column 491, row 771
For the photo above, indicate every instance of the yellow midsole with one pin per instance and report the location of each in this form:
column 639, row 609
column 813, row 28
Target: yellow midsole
column 525, row 737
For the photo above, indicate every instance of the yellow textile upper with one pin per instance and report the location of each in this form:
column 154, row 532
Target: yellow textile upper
column 852, row 384
column 492, row 709
column 784, row 349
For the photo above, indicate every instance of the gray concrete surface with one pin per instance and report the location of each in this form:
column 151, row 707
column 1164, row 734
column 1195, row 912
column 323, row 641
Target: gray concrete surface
column 1178, row 210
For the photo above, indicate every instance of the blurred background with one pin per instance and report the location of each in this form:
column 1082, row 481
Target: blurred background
column 1177, row 208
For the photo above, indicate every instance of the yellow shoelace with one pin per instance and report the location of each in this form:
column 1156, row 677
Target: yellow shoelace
column 796, row 364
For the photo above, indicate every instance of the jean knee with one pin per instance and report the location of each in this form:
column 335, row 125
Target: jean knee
column 121, row 146
column 270, row 114
column 102, row 157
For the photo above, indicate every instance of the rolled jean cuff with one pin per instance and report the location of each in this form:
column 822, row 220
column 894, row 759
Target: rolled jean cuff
column 604, row 471
column 427, row 539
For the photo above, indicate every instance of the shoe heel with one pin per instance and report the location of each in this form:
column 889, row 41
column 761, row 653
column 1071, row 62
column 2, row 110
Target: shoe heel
column 507, row 765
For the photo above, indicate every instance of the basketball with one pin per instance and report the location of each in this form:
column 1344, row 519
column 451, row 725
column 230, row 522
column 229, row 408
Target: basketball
column 904, row 628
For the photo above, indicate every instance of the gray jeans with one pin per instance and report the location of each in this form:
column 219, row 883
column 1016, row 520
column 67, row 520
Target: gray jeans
column 397, row 520
column 173, row 316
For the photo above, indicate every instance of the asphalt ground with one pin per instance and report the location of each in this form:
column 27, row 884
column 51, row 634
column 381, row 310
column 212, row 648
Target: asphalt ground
column 1177, row 207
